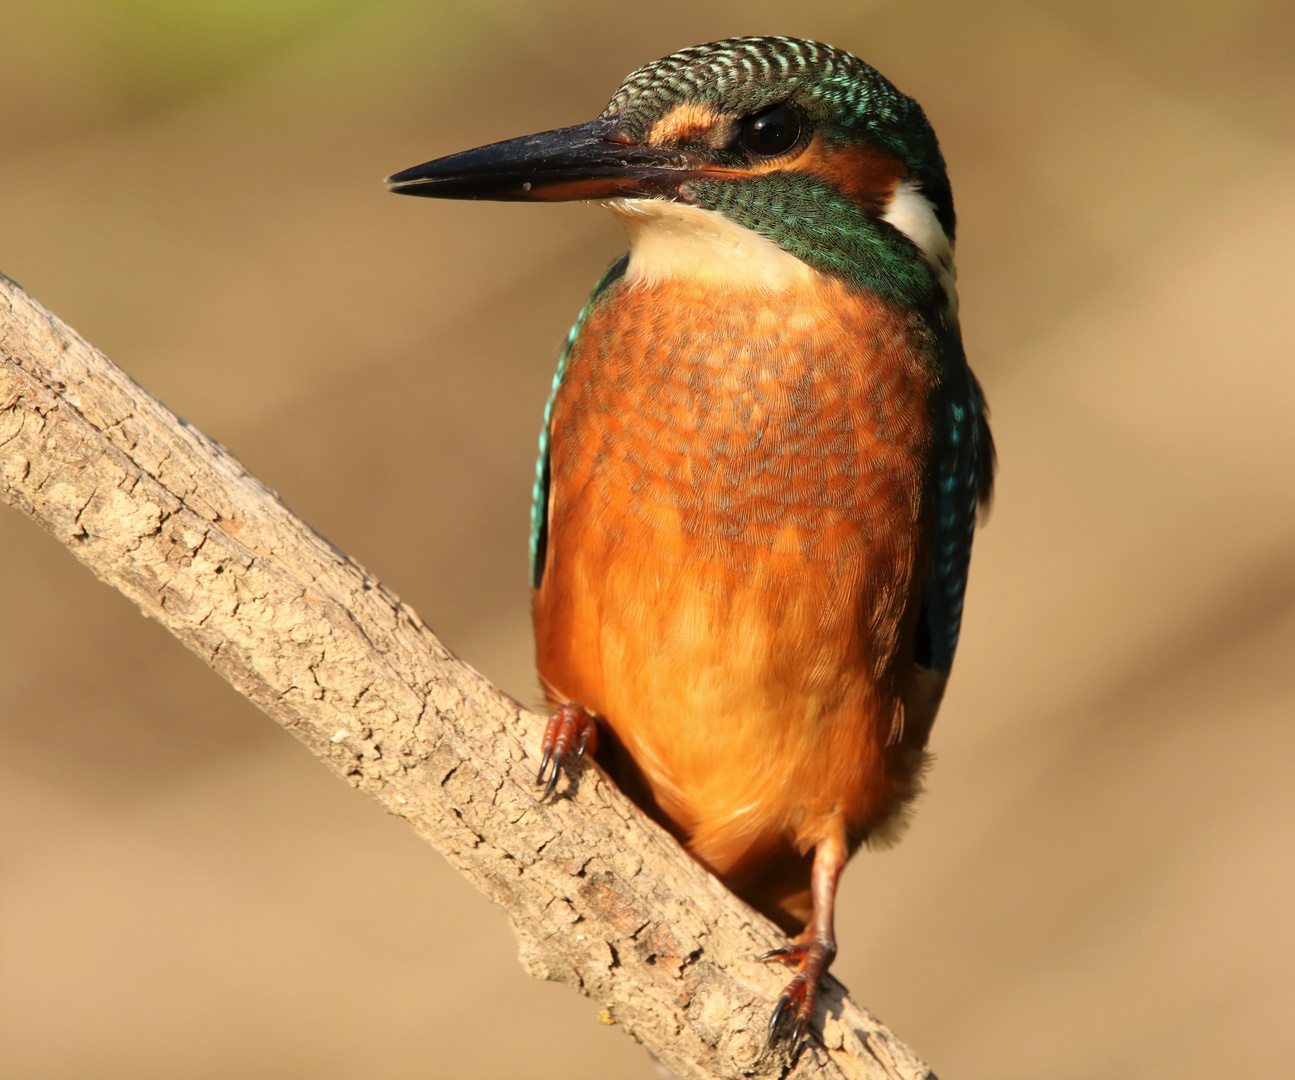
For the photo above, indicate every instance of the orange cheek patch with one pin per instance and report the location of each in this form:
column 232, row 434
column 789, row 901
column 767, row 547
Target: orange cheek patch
column 863, row 174
column 690, row 122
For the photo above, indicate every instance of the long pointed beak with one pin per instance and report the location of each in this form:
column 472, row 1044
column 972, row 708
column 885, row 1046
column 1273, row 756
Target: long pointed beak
column 589, row 161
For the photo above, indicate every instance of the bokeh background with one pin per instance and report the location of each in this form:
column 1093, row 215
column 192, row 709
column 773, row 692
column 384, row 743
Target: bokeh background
column 1101, row 880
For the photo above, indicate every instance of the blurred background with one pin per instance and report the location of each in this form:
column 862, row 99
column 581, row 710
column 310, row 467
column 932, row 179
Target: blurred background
column 1100, row 882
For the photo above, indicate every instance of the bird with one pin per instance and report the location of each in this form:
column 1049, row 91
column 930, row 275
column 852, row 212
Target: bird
column 760, row 468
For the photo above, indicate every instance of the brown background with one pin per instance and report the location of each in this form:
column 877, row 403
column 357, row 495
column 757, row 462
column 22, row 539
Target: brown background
column 1100, row 882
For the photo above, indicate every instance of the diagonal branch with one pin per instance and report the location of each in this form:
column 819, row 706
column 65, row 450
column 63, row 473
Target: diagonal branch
column 600, row 897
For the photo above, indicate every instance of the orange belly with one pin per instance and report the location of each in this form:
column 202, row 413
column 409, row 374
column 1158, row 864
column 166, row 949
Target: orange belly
column 736, row 531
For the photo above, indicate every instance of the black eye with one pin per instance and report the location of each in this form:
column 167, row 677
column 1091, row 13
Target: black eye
column 771, row 132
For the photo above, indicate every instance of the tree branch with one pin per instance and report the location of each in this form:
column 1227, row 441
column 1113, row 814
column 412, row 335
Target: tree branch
column 600, row 897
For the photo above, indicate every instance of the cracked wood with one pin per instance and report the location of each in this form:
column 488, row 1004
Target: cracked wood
column 600, row 897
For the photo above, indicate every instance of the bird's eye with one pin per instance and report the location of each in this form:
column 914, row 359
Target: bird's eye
column 771, row 132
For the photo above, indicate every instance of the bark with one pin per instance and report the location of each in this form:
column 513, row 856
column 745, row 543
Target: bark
column 599, row 896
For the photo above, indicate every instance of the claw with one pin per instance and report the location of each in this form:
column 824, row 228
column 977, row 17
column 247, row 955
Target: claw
column 791, row 1015
column 798, row 1030
column 795, row 1009
column 569, row 723
column 553, row 782
column 775, row 1021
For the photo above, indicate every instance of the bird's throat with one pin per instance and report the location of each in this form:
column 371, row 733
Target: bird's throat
column 671, row 241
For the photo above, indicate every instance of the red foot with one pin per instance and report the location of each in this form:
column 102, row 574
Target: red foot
column 790, row 1019
column 570, row 725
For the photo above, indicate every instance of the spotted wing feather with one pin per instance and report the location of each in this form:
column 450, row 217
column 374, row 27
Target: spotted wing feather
column 962, row 481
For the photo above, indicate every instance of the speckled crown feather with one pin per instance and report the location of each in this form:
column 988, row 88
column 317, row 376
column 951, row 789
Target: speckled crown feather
column 746, row 74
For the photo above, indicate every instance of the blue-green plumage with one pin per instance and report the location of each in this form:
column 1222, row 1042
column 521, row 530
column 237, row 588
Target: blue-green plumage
column 960, row 478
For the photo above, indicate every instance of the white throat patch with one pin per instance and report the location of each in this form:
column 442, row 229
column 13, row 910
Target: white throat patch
column 670, row 240
column 912, row 214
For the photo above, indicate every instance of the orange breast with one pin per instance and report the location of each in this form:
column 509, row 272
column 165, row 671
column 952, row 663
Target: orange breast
column 736, row 525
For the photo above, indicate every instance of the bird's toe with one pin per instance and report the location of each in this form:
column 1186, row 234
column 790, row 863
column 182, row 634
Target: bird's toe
column 571, row 733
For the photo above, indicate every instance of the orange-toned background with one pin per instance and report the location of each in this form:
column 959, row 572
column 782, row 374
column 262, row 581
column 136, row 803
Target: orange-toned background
column 1100, row 882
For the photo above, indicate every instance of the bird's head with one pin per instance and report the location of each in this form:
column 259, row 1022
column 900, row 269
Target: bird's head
column 801, row 144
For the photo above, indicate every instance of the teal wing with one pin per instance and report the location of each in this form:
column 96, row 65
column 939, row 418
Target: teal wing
column 540, row 492
column 961, row 481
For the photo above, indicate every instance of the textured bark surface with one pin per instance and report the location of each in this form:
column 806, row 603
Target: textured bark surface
column 600, row 897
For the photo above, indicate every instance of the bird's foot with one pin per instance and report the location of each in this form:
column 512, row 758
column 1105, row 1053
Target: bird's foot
column 811, row 958
column 571, row 733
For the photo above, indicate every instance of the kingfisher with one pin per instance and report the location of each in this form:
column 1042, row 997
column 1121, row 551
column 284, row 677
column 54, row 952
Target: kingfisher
column 760, row 464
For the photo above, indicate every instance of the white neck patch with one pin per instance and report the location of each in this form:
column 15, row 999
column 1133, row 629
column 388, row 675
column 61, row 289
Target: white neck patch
column 670, row 240
column 912, row 214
